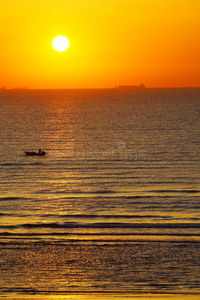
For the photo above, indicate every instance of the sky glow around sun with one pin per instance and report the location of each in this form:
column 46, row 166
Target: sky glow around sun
column 112, row 42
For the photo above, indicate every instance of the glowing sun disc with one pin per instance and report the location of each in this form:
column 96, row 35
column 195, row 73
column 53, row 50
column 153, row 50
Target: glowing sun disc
column 60, row 43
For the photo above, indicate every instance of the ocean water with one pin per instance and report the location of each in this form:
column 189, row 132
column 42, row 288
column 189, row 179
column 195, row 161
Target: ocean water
column 114, row 205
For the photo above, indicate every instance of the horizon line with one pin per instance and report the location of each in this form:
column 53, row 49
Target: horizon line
column 99, row 88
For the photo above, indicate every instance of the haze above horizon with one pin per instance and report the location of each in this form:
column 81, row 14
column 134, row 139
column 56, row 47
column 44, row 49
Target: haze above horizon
column 111, row 42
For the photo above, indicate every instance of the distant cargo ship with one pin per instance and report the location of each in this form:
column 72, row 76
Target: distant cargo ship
column 131, row 87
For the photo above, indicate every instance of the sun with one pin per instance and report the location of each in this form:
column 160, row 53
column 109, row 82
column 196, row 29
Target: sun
column 60, row 43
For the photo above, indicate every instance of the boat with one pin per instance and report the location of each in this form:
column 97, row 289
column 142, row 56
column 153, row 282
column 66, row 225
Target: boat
column 32, row 153
column 131, row 87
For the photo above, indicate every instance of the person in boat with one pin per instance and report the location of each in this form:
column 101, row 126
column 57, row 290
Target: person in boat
column 40, row 151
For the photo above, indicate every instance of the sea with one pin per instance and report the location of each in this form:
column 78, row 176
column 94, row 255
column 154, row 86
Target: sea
column 114, row 205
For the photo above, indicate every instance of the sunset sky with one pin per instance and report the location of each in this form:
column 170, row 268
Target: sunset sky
column 112, row 42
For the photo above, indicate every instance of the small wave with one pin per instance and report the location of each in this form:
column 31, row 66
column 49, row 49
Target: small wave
column 175, row 191
column 11, row 198
column 10, row 164
column 23, row 164
column 190, row 191
column 29, row 291
column 8, row 227
column 3, row 214
column 109, row 225
column 95, row 216
column 136, row 197
column 63, row 234
column 75, row 192
column 104, row 225
column 104, row 192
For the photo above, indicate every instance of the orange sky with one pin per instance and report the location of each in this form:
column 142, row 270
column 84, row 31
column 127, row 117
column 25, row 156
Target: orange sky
column 112, row 42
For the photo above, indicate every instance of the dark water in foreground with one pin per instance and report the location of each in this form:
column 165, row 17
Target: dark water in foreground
column 114, row 205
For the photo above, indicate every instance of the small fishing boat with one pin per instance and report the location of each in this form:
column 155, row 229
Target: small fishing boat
column 32, row 153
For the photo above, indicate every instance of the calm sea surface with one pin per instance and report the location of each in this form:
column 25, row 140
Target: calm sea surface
column 114, row 206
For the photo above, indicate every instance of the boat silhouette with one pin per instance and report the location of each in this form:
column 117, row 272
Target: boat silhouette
column 32, row 153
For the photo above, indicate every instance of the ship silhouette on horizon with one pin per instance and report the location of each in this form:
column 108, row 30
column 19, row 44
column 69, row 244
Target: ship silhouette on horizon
column 131, row 87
